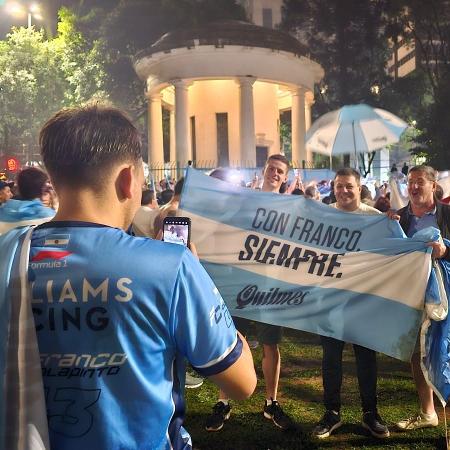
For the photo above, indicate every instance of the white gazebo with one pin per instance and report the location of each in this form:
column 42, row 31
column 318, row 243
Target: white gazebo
column 225, row 85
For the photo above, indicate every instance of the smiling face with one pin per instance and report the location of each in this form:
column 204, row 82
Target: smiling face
column 275, row 174
column 421, row 189
column 348, row 192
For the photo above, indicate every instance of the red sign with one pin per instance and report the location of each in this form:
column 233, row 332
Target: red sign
column 12, row 164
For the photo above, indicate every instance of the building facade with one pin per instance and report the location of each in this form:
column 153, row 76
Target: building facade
column 225, row 85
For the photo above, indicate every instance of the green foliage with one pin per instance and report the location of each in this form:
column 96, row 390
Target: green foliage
column 39, row 76
column 80, row 62
column 435, row 139
column 31, row 86
column 426, row 26
column 286, row 138
column 136, row 24
column 133, row 25
column 347, row 38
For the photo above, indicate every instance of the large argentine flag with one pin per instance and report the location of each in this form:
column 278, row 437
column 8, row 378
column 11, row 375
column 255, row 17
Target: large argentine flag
column 294, row 262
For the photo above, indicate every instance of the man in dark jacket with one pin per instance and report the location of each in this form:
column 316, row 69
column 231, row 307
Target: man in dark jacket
column 424, row 210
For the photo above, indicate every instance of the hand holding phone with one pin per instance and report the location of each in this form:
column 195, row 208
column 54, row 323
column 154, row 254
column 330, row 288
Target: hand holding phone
column 177, row 230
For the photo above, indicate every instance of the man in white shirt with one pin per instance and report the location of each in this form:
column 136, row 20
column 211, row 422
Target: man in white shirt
column 347, row 189
column 143, row 222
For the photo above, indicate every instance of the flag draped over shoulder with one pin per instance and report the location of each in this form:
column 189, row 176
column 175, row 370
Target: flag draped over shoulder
column 435, row 336
column 23, row 421
column 295, row 262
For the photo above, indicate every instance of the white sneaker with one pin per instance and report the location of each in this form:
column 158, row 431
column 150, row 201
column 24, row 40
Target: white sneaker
column 415, row 422
column 192, row 382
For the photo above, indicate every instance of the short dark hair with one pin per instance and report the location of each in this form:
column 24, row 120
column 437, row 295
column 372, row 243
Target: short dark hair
column 365, row 193
column 147, row 196
column 179, row 186
column 429, row 172
column 31, row 182
column 297, row 191
column 383, row 204
column 165, row 196
column 279, row 157
column 349, row 172
column 79, row 145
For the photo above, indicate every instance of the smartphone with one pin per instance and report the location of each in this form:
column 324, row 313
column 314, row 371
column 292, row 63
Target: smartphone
column 177, row 230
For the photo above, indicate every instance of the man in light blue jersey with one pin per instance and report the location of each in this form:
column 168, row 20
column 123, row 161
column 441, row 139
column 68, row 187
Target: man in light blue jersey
column 29, row 209
column 117, row 315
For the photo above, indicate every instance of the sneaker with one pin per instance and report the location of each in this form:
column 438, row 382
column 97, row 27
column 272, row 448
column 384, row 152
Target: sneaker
column 192, row 382
column 276, row 414
column 374, row 423
column 330, row 421
column 415, row 422
column 221, row 413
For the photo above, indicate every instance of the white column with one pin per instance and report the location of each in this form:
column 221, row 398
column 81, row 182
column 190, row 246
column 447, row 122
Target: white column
column 309, row 101
column 173, row 154
column 183, row 150
column 155, row 130
column 247, row 122
column 298, row 126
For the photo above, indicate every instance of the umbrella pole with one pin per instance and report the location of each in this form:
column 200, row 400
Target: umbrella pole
column 354, row 145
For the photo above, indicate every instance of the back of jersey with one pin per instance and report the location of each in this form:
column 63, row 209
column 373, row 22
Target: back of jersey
column 105, row 306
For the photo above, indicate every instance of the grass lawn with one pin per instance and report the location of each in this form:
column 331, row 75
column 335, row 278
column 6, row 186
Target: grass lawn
column 300, row 394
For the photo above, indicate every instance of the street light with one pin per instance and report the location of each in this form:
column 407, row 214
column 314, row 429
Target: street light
column 18, row 10
column 375, row 89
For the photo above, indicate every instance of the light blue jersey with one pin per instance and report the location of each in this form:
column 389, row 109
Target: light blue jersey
column 115, row 317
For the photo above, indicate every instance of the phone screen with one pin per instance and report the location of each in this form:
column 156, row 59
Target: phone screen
column 176, row 230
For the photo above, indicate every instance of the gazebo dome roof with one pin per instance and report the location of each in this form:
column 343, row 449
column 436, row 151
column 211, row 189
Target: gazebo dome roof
column 226, row 32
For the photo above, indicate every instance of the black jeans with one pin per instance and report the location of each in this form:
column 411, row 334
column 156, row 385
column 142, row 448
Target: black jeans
column 366, row 366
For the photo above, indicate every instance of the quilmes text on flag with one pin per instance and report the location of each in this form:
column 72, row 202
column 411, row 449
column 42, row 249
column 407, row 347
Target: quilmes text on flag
column 298, row 263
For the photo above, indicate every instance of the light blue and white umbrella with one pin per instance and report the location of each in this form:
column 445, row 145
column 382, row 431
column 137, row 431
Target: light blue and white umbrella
column 354, row 129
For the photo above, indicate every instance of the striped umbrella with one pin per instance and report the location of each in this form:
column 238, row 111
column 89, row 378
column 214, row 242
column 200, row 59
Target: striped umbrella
column 354, row 129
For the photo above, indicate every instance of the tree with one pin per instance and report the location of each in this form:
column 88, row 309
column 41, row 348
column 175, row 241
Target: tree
column 39, row 76
column 133, row 25
column 426, row 26
column 346, row 37
column 31, row 87
column 81, row 61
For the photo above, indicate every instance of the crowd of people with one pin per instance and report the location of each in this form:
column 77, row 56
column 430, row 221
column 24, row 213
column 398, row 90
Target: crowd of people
column 137, row 323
